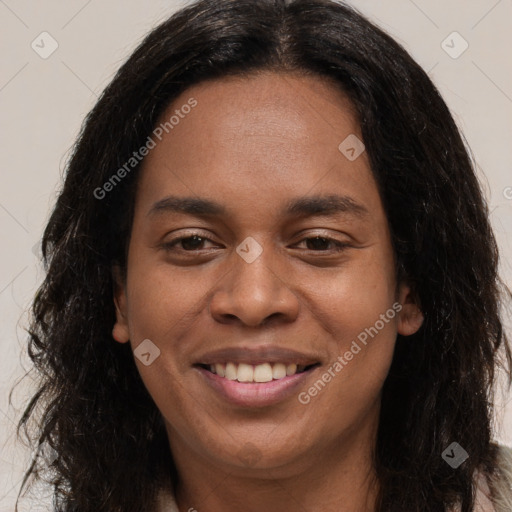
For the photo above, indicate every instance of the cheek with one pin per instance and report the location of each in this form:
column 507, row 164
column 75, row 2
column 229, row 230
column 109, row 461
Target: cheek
column 162, row 303
column 161, row 298
column 348, row 388
column 352, row 298
column 357, row 307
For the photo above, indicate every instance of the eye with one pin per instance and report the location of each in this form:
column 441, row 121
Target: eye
column 194, row 242
column 322, row 243
column 189, row 243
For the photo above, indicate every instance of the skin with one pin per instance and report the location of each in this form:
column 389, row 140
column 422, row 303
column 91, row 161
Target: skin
column 252, row 144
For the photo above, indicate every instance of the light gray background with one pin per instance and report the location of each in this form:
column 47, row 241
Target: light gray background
column 43, row 102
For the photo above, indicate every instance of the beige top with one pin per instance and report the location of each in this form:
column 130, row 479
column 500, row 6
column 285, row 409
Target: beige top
column 501, row 501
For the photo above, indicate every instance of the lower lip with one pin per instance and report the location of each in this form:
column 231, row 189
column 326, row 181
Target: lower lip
column 256, row 394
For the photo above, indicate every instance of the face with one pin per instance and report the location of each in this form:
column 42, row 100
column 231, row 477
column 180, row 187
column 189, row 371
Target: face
column 261, row 299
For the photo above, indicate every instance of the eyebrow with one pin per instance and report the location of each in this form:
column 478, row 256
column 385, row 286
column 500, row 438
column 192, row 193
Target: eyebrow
column 325, row 206
column 309, row 206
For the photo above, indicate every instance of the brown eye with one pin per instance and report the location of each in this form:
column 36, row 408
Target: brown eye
column 317, row 243
column 191, row 243
column 323, row 244
column 188, row 243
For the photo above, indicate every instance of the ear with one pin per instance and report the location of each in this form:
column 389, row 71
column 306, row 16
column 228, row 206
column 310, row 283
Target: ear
column 410, row 317
column 120, row 332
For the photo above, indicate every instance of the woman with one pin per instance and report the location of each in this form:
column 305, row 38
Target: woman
column 271, row 280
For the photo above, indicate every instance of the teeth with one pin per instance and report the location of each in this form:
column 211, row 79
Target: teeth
column 231, row 371
column 291, row 369
column 245, row 373
column 279, row 371
column 220, row 370
column 265, row 372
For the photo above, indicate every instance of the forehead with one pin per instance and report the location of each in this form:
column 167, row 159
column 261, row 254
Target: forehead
column 282, row 107
column 270, row 134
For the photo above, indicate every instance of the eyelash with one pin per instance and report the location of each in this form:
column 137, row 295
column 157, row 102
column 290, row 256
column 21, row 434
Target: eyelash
column 170, row 246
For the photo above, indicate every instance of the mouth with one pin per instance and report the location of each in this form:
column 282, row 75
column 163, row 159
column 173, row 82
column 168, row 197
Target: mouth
column 256, row 373
column 256, row 376
column 256, row 385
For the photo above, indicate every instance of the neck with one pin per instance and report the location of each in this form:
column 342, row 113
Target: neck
column 338, row 477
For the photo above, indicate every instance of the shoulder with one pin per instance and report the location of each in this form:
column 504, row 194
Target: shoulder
column 494, row 492
column 166, row 502
column 495, row 496
column 501, row 483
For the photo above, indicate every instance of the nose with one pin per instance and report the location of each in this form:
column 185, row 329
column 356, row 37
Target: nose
column 254, row 294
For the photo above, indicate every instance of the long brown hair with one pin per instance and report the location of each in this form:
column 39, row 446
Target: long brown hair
column 91, row 407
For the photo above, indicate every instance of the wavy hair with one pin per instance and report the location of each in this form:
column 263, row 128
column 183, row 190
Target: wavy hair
column 91, row 408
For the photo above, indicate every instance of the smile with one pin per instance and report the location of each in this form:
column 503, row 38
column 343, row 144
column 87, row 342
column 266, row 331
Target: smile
column 258, row 373
column 255, row 385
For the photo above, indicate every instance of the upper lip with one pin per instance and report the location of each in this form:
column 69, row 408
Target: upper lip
column 257, row 355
